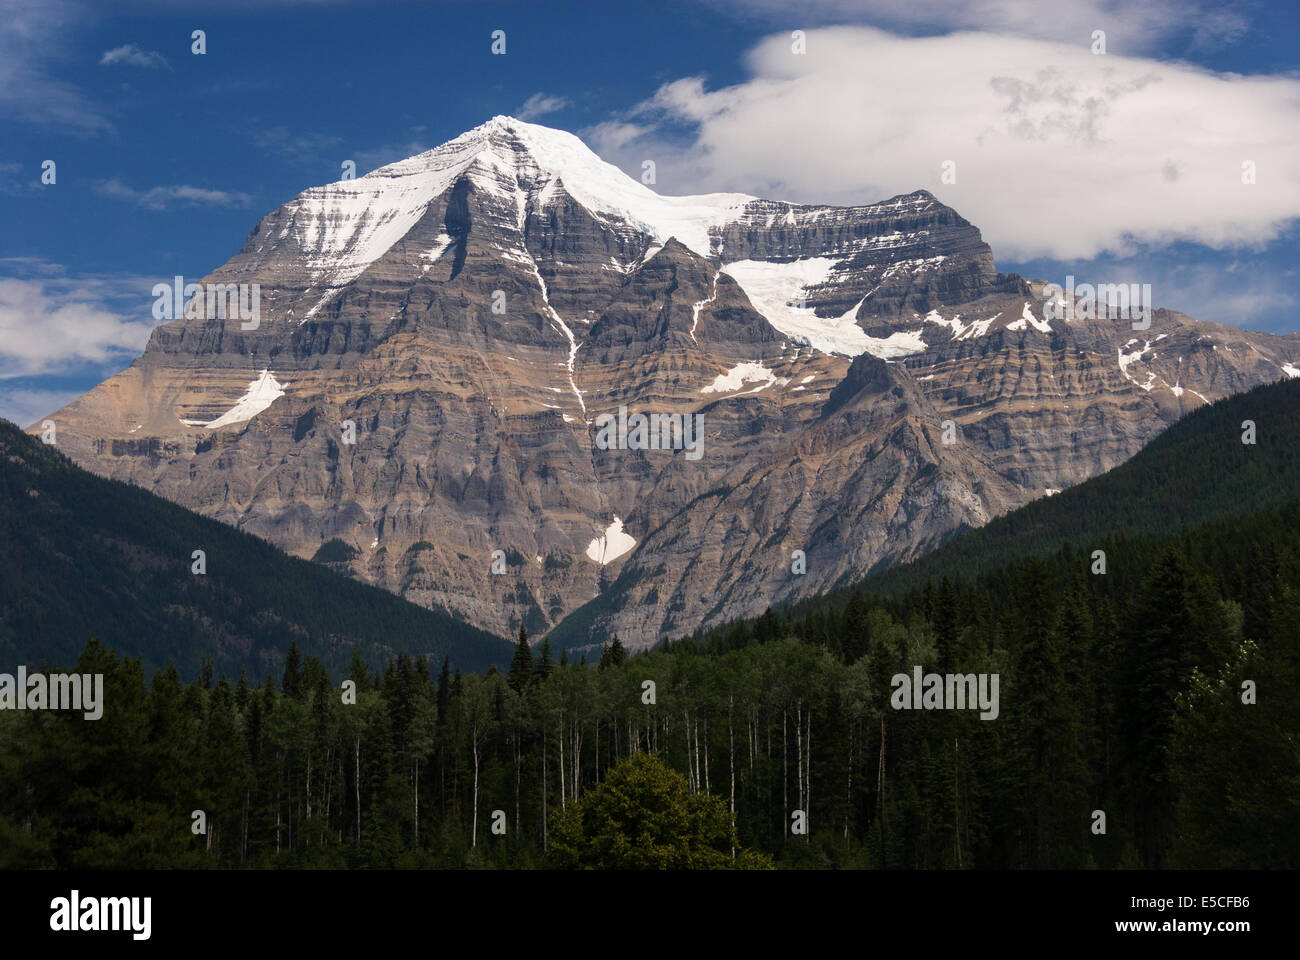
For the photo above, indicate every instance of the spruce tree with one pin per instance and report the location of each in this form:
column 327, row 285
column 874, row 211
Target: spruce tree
column 617, row 652
column 521, row 666
column 358, row 672
column 856, row 633
column 241, row 691
column 544, row 662
column 291, row 683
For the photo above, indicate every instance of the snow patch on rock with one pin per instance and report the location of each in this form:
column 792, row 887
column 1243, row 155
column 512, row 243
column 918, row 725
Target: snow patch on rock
column 743, row 373
column 701, row 304
column 261, row 393
column 778, row 291
column 1027, row 320
column 1128, row 359
column 611, row 545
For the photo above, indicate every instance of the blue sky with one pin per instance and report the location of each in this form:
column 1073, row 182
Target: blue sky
column 165, row 160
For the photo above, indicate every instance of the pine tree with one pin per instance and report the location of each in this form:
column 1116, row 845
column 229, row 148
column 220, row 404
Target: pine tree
column 291, row 684
column 544, row 662
column 521, row 666
column 613, row 655
column 241, row 691
column 856, row 640
column 944, row 620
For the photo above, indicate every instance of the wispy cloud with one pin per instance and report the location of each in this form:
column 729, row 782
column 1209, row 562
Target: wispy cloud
column 26, row 406
column 168, row 197
column 132, row 55
column 298, row 147
column 17, row 179
column 32, row 36
column 540, row 104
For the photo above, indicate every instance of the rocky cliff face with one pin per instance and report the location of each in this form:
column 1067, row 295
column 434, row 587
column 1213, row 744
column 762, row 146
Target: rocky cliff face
column 862, row 379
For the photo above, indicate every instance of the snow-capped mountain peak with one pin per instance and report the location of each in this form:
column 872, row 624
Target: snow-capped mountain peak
column 539, row 158
column 337, row 230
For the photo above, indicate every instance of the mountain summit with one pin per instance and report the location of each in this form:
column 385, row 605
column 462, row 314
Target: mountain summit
column 446, row 346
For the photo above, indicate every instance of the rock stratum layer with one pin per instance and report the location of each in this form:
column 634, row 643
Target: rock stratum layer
column 866, row 383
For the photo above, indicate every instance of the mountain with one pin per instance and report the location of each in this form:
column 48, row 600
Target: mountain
column 1195, row 473
column 1197, row 481
column 865, row 383
column 85, row 556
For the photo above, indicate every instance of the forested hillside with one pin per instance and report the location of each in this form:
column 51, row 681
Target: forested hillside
column 1120, row 693
column 1196, row 471
column 86, row 556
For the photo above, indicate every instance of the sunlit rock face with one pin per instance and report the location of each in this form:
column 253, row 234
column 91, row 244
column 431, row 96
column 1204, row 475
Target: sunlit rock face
column 439, row 344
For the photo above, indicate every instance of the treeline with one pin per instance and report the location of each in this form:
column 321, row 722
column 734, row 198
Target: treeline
column 1120, row 693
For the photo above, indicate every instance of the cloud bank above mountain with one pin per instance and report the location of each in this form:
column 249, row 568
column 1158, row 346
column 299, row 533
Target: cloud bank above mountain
column 1057, row 151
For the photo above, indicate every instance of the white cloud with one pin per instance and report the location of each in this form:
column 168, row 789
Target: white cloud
column 134, row 56
column 1131, row 26
column 54, row 325
column 162, row 198
column 1058, row 152
column 612, row 136
column 540, row 104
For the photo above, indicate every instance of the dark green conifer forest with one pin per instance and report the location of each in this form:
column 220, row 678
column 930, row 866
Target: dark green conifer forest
column 1120, row 693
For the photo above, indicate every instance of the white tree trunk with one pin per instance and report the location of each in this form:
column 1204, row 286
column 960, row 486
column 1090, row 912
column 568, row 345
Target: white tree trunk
column 706, row 756
column 807, row 775
column 563, row 802
column 731, row 755
column 798, row 739
column 474, row 827
column 690, row 771
column 695, row 729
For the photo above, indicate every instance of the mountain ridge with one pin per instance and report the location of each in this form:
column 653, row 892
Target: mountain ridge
column 472, row 312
